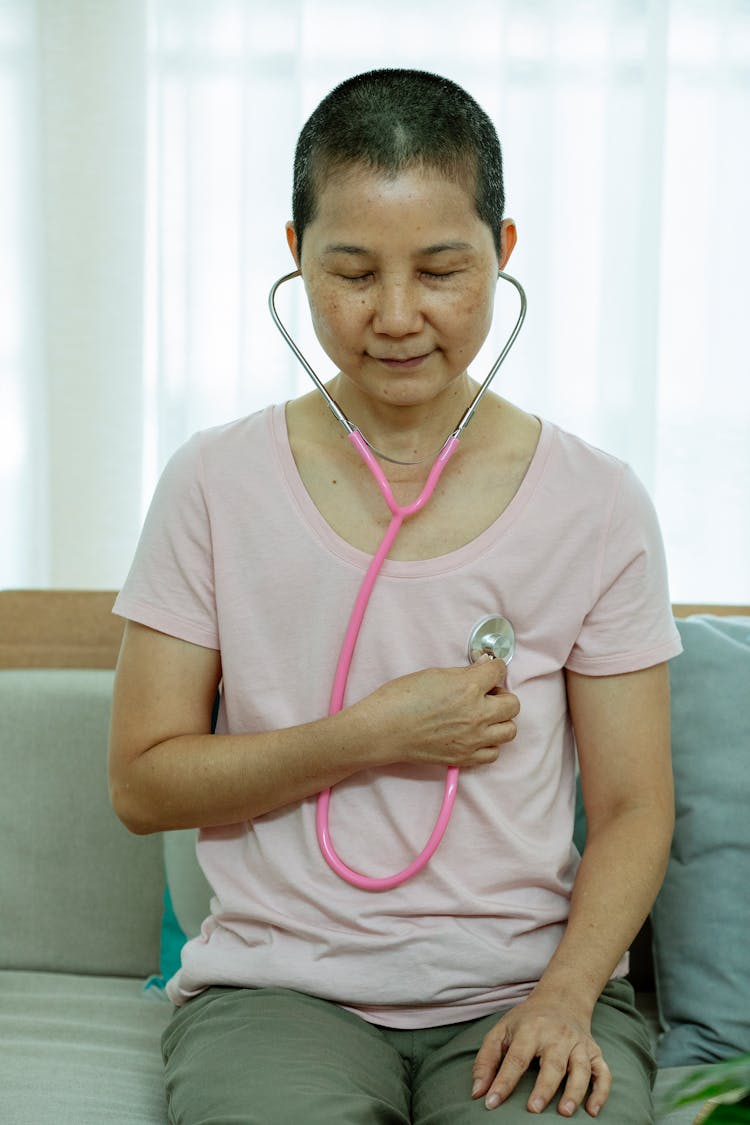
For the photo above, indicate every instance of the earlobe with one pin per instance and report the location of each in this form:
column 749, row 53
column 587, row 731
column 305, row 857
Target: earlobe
column 508, row 239
column 291, row 237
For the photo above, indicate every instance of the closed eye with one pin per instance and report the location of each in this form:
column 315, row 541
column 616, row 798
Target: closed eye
column 429, row 275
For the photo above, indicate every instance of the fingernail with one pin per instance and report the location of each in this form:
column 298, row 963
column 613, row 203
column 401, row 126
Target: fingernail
column 476, row 1087
column 594, row 1110
column 568, row 1107
column 537, row 1105
column 492, row 1101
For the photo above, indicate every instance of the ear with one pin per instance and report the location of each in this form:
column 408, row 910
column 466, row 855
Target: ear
column 508, row 239
column 291, row 237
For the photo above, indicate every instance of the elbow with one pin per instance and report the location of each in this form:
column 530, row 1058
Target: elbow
column 129, row 811
column 650, row 823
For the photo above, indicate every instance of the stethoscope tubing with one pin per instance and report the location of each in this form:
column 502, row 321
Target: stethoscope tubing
column 398, row 514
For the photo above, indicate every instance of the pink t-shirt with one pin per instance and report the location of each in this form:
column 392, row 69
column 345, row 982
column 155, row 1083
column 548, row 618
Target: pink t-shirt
column 234, row 555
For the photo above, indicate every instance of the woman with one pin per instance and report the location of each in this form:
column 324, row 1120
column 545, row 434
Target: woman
column 495, row 976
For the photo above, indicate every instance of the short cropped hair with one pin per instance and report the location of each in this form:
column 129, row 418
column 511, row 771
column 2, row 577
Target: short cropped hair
column 392, row 120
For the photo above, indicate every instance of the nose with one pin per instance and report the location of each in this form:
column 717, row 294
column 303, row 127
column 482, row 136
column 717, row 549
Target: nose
column 397, row 310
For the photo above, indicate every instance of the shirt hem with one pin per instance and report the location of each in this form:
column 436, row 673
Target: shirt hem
column 625, row 662
column 169, row 623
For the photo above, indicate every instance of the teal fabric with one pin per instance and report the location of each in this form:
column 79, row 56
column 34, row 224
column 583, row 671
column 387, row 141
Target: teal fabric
column 172, row 941
column 701, row 918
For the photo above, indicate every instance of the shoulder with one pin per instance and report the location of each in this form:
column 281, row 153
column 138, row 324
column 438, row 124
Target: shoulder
column 235, row 438
column 561, row 455
column 581, row 456
column 217, row 453
column 591, row 478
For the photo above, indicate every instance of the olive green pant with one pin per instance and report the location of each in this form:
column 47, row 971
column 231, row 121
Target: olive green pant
column 274, row 1057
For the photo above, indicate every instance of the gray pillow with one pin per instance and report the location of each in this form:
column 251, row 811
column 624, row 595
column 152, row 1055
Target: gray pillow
column 701, row 919
column 78, row 892
column 188, row 887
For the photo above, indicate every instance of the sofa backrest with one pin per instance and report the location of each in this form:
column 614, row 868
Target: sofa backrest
column 59, row 629
column 79, row 893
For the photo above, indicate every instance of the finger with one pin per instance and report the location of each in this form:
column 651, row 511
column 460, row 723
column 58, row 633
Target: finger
column 494, row 738
column 552, row 1071
column 503, row 706
column 517, row 1061
column 487, row 1061
column 500, row 724
column 579, row 1076
column 500, row 733
column 601, row 1085
column 484, row 756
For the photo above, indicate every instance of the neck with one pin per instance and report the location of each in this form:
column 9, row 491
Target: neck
column 408, row 434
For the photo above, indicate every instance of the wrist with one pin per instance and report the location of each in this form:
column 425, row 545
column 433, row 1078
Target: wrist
column 575, row 990
column 370, row 743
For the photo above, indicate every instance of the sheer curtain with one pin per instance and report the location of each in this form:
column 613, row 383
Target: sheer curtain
column 72, row 205
column 149, row 149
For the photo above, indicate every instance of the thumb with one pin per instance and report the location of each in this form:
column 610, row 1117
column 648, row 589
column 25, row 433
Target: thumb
column 492, row 671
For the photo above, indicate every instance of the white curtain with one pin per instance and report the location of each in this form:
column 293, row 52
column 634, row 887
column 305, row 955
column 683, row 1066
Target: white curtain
column 145, row 178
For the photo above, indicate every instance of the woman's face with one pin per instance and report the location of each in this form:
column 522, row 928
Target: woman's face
column 400, row 274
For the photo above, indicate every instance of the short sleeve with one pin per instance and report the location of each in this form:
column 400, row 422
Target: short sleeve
column 630, row 624
column 170, row 586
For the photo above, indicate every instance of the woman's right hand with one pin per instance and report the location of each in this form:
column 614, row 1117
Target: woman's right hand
column 445, row 716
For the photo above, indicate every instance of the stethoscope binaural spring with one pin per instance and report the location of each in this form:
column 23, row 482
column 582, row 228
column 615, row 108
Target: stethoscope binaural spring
column 492, row 635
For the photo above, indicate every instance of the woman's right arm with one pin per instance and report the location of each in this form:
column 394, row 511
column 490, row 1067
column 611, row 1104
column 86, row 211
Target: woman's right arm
column 166, row 769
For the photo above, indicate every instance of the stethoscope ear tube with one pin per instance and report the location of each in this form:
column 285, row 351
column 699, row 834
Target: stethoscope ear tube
column 500, row 359
column 333, row 406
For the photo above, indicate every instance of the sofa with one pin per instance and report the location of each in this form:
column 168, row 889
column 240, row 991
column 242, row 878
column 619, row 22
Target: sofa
column 91, row 915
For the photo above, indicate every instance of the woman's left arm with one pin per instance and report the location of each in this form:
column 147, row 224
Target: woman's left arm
column 621, row 725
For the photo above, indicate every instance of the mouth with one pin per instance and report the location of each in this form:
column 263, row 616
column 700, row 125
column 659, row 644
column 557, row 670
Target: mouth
column 405, row 364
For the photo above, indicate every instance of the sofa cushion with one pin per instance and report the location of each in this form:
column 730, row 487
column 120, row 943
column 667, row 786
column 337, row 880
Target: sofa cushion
column 701, row 917
column 79, row 1049
column 79, row 893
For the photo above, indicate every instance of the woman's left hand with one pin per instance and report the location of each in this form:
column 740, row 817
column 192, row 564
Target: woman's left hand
column 544, row 1029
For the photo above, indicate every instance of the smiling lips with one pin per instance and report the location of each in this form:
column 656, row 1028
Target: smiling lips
column 402, row 364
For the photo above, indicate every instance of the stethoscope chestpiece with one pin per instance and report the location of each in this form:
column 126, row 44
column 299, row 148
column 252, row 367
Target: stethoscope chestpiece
column 492, row 636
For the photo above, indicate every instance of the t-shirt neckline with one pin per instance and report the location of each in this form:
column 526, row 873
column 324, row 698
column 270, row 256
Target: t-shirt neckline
column 404, row 568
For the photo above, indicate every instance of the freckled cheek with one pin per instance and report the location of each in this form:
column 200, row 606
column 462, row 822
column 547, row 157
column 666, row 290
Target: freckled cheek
column 471, row 320
column 325, row 312
column 335, row 324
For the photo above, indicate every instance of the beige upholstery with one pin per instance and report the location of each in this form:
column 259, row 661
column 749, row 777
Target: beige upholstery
column 58, row 629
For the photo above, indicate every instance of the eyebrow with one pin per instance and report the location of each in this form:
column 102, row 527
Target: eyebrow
column 426, row 251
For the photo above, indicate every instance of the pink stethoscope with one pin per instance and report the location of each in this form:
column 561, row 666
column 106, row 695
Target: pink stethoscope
column 493, row 635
